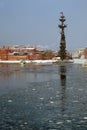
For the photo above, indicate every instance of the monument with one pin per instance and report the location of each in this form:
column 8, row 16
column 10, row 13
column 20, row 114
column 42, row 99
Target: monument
column 62, row 26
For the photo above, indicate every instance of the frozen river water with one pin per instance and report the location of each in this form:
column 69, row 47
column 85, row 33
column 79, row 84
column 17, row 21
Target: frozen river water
column 35, row 97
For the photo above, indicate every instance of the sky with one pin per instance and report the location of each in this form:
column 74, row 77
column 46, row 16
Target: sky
column 35, row 22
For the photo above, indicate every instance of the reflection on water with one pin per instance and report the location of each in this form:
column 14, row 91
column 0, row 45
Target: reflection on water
column 63, row 75
column 63, row 86
column 49, row 97
column 35, row 72
column 6, row 70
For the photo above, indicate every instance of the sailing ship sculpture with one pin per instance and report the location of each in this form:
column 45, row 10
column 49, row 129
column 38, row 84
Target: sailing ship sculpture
column 62, row 26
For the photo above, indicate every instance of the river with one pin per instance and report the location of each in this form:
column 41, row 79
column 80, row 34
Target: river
column 43, row 97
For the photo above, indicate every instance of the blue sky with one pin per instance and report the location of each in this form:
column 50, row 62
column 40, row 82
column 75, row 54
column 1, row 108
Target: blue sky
column 35, row 22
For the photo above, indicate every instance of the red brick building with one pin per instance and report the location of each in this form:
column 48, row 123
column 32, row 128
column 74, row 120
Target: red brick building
column 85, row 53
column 17, row 53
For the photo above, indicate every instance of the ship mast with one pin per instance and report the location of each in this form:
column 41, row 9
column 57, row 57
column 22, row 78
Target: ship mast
column 62, row 26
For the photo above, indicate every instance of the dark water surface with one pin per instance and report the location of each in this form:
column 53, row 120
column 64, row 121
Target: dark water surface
column 36, row 97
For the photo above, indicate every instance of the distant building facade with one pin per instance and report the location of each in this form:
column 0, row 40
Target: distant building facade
column 81, row 53
column 85, row 53
column 24, row 53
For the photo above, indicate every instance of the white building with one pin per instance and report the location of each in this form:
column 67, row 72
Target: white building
column 79, row 53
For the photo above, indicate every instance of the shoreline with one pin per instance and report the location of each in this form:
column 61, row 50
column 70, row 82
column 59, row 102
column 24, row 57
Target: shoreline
column 28, row 61
column 75, row 61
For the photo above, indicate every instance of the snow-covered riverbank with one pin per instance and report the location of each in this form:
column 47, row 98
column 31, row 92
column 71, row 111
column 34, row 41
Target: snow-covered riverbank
column 74, row 61
column 29, row 61
column 79, row 61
